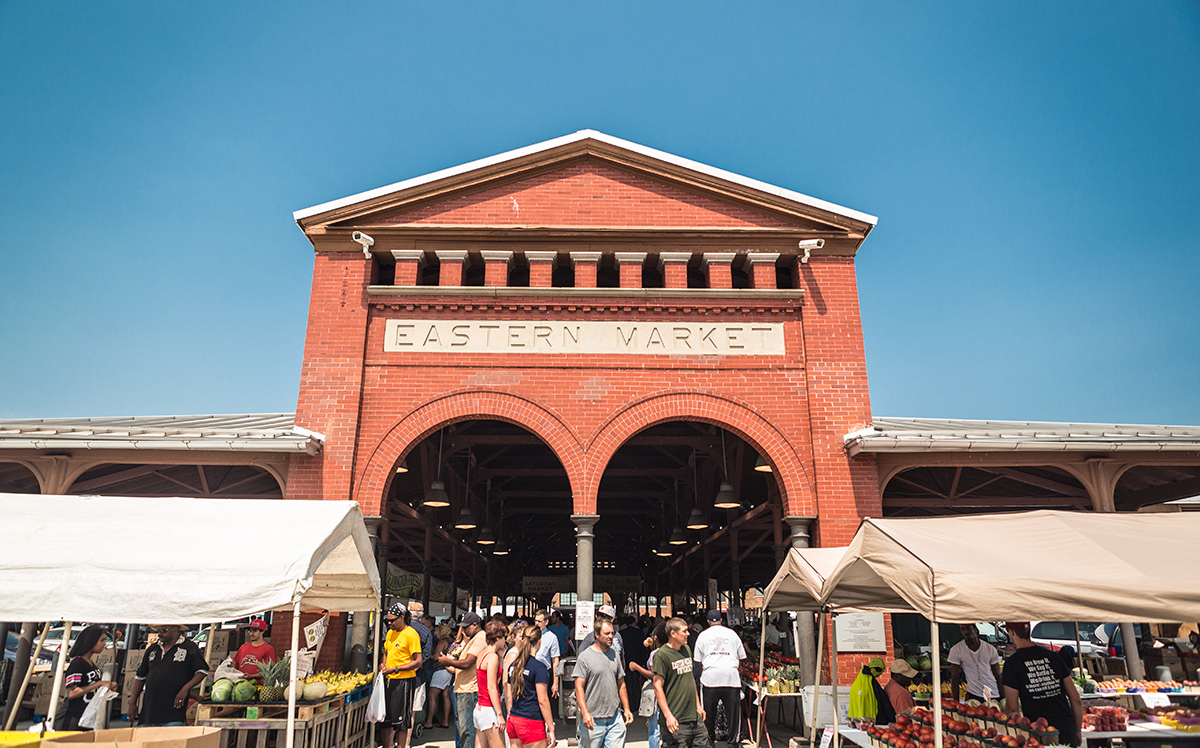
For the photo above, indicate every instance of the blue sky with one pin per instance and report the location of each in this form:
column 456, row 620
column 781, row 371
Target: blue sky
column 1035, row 167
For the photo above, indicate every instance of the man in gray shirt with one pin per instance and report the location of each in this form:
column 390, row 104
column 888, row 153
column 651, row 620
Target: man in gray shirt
column 606, row 613
column 599, row 691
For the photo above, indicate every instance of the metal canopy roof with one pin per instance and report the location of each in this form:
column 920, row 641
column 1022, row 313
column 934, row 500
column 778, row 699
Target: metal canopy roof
column 248, row 432
column 957, row 435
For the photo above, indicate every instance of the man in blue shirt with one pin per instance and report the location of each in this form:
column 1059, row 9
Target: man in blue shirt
column 549, row 651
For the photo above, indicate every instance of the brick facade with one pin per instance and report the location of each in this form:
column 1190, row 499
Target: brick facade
column 375, row 406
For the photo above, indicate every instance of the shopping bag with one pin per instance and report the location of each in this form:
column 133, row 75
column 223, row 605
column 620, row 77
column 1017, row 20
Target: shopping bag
column 377, row 706
column 419, row 699
column 648, row 703
column 227, row 670
column 95, row 707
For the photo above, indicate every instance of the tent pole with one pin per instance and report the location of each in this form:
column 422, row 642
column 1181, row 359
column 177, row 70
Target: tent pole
column 937, row 683
column 375, row 616
column 15, row 706
column 761, row 688
column 1078, row 649
column 812, row 738
column 834, row 675
column 59, row 670
column 291, row 719
column 212, row 631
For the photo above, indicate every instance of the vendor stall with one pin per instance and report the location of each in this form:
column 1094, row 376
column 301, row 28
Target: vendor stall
column 1043, row 565
column 188, row 561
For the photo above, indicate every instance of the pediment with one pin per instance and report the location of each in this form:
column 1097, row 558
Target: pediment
column 586, row 181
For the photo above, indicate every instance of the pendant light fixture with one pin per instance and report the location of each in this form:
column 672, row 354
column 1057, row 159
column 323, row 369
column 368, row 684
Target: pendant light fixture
column 501, row 548
column 677, row 536
column 725, row 498
column 437, row 496
column 466, row 521
column 485, row 534
column 402, row 467
column 663, row 550
column 762, row 466
column 696, row 519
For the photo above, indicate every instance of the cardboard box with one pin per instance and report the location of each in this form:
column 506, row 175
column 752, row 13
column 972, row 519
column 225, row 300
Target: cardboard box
column 221, row 645
column 141, row 737
column 133, row 660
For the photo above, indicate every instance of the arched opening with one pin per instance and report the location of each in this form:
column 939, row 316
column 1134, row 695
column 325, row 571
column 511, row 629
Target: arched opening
column 935, row 490
column 685, row 519
column 16, row 478
column 504, row 515
column 1144, row 486
column 206, row 481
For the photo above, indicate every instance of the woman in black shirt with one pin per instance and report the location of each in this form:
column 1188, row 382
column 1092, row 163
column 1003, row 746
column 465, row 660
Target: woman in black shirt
column 83, row 677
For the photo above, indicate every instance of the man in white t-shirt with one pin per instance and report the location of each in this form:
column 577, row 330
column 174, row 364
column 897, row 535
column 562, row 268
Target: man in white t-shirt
column 978, row 661
column 719, row 651
column 771, row 642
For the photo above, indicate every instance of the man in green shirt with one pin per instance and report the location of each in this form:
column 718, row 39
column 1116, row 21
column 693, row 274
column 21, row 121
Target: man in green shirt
column 679, row 710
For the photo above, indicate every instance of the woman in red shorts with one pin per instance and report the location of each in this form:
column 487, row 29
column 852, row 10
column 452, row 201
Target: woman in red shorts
column 530, row 722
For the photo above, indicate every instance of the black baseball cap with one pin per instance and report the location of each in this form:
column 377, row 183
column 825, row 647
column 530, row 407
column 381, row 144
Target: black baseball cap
column 468, row 619
column 714, row 615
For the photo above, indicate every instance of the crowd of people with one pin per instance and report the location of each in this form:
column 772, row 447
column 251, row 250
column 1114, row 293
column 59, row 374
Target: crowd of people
column 493, row 680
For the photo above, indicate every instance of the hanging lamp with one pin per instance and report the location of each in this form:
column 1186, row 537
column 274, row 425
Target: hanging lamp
column 696, row 520
column 402, row 467
column 762, row 466
column 725, row 498
column 466, row 520
column 437, row 496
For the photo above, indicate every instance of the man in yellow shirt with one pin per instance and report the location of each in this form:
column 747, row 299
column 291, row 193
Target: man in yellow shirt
column 403, row 648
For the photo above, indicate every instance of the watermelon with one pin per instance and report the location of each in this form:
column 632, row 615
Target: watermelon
column 222, row 690
column 244, row 690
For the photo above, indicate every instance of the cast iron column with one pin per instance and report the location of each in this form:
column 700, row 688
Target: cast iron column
column 806, row 645
column 584, row 538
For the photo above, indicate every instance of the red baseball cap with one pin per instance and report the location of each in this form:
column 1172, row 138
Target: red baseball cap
column 259, row 624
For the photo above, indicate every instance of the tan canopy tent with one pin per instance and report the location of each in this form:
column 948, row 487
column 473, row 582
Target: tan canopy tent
column 1042, row 565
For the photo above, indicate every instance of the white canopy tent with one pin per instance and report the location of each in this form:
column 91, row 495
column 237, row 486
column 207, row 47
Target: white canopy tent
column 182, row 560
column 1045, row 565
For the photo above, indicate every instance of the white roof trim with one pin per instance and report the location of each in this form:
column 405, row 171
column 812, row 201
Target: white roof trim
column 685, row 163
column 958, row 435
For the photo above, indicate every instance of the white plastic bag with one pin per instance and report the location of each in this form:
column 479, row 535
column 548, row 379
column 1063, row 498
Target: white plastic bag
column 227, row 670
column 419, row 699
column 95, row 707
column 377, row 706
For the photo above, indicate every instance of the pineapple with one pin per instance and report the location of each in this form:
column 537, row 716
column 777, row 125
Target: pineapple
column 275, row 676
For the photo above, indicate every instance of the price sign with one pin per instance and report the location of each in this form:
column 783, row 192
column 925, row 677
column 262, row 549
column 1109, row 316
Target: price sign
column 585, row 618
column 827, row 737
column 1155, row 699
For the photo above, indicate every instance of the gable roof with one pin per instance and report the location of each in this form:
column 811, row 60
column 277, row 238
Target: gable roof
column 582, row 142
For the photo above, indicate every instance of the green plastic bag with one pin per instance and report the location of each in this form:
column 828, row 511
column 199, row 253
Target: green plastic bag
column 862, row 697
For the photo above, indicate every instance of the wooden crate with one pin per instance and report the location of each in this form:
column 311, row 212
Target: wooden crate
column 321, row 731
column 355, row 728
column 270, row 710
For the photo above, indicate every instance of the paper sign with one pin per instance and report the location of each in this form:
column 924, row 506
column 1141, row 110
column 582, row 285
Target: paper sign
column 826, row 737
column 1155, row 699
column 314, row 633
column 585, row 618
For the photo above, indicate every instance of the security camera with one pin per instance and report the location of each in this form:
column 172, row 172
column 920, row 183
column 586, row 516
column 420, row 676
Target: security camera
column 366, row 242
column 808, row 245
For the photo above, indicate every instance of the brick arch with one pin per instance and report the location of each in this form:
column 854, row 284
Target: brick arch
column 464, row 405
column 739, row 418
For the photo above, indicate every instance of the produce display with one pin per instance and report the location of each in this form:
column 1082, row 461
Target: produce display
column 336, row 683
column 777, row 667
column 964, row 726
column 1106, row 719
column 1147, row 686
column 1175, row 717
column 275, row 676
